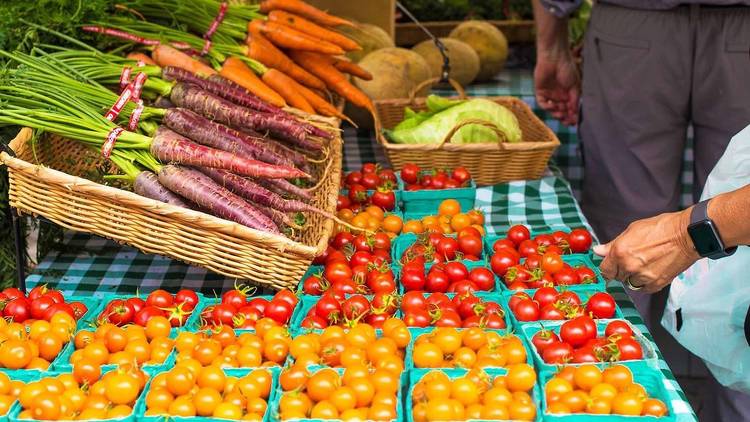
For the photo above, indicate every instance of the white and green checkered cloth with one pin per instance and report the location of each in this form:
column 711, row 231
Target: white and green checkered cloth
column 89, row 265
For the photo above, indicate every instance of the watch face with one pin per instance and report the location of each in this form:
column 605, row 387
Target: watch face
column 705, row 238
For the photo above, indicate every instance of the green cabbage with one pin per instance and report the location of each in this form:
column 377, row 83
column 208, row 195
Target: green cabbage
column 432, row 125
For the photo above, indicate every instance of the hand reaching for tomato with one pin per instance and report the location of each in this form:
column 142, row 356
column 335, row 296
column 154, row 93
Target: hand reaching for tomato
column 650, row 253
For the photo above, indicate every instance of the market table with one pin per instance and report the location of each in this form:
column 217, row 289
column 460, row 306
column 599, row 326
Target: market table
column 88, row 265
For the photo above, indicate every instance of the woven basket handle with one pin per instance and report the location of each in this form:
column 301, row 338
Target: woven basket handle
column 432, row 81
column 500, row 135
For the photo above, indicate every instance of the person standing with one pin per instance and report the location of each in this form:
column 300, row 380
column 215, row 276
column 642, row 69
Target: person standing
column 651, row 69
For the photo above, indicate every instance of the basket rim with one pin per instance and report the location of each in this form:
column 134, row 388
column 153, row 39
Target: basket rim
column 473, row 147
column 182, row 215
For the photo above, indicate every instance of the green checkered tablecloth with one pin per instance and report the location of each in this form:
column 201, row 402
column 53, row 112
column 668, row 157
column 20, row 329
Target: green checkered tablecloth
column 89, row 265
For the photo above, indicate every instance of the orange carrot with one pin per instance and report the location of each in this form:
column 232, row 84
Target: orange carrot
column 286, row 37
column 320, row 105
column 321, row 67
column 137, row 56
column 263, row 51
column 352, row 68
column 303, row 9
column 238, row 72
column 312, row 29
column 285, row 86
column 165, row 55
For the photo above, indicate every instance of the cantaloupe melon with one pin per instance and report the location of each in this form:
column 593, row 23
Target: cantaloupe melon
column 464, row 61
column 396, row 72
column 369, row 37
column 489, row 43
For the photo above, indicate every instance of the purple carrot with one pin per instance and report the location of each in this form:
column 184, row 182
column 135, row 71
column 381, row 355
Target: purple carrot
column 163, row 102
column 258, row 194
column 147, row 184
column 170, row 147
column 216, row 135
column 281, row 219
column 218, row 109
column 286, row 188
column 237, row 94
column 218, row 201
column 296, row 157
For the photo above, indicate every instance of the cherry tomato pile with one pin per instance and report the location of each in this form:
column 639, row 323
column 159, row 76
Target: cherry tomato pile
column 588, row 389
column 372, row 218
column 447, row 347
column 34, row 344
column 475, row 395
column 578, row 343
column 416, row 178
column 40, row 304
column 159, row 303
column 372, row 178
column 336, row 347
column 449, row 219
column 550, row 304
column 190, row 391
column 354, row 264
column 438, row 248
column 223, row 347
column 360, row 393
column 65, row 397
column 518, row 237
column 538, row 271
column 237, row 310
column 113, row 345
column 335, row 309
column 463, row 310
column 450, row 277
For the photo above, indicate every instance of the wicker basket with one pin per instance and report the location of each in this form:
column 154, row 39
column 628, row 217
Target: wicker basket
column 488, row 163
column 58, row 188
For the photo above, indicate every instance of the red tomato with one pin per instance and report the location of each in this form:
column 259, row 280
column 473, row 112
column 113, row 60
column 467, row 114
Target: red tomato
column 188, row 299
column 410, row 173
column 470, row 231
column 37, row 292
column 545, row 296
column 343, row 202
column 552, row 313
column 447, row 318
column 456, row 271
column 328, row 308
column 618, row 327
column 234, row 298
column 17, row 310
column 461, row 175
column 357, row 306
column 160, row 299
column 629, row 348
column 312, row 286
column 447, row 248
column 517, row 273
column 526, row 310
column 560, row 238
column 337, row 271
column 388, row 175
column 579, row 240
column 362, row 258
column 384, row 198
column 370, row 181
column 417, row 318
column 570, row 298
column 601, row 305
column 518, row 234
column 557, row 352
column 544, row 240
column 55, row 295
column 528, row 247
column 565, row 277
column 13, row 293
column 342, row 239
column 552, row 263
column 483, row 278
column 463, row 287
column 353, row 178
column 470, row 245
column 369, row 168
column 384, row 303
column 79, row 309
column 314, row 322
column 584, row 355
column 503, row 244
column 413, row 280
column 119, row 312
column 357, row 194
column 437, row 281
column 544, row 338
column 517, row 297
column 503, row 260
column 40, row 305
column 279, row 310
column 494, row 321
column 412, row 301
column 575, row 333
column 585, row 274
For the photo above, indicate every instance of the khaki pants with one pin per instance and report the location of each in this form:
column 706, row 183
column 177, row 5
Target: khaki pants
column 647, row 77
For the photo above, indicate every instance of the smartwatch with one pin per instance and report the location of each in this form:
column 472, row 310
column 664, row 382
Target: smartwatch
column 705, row 234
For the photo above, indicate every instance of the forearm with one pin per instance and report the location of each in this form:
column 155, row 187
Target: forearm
column 731, row 214
column 551, row 33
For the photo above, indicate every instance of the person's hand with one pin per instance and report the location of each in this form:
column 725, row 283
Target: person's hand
column 650, row 253
column 557, row 86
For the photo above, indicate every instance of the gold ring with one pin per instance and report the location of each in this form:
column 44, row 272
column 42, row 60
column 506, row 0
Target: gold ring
column 631, row 286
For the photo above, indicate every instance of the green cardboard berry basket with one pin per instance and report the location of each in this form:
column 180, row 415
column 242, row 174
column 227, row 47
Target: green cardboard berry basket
column 140, row 407
column 417, row 374
column 582, row 293
column 470, row 265
column 399, row 397
column 574, row 261
column 650, row 356
column 416, row 332
column 651, row 379
column 427, row 200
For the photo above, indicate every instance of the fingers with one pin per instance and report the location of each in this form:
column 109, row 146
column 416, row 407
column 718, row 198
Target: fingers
column 602, row 250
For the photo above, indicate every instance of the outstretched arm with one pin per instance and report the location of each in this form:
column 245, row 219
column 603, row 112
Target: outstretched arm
column 652, row 252
column 556, row 78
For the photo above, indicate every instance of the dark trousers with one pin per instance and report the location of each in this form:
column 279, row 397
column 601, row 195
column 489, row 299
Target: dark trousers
column 647, row 77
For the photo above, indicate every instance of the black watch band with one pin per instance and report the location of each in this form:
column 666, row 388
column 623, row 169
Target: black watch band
column 705, row 234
